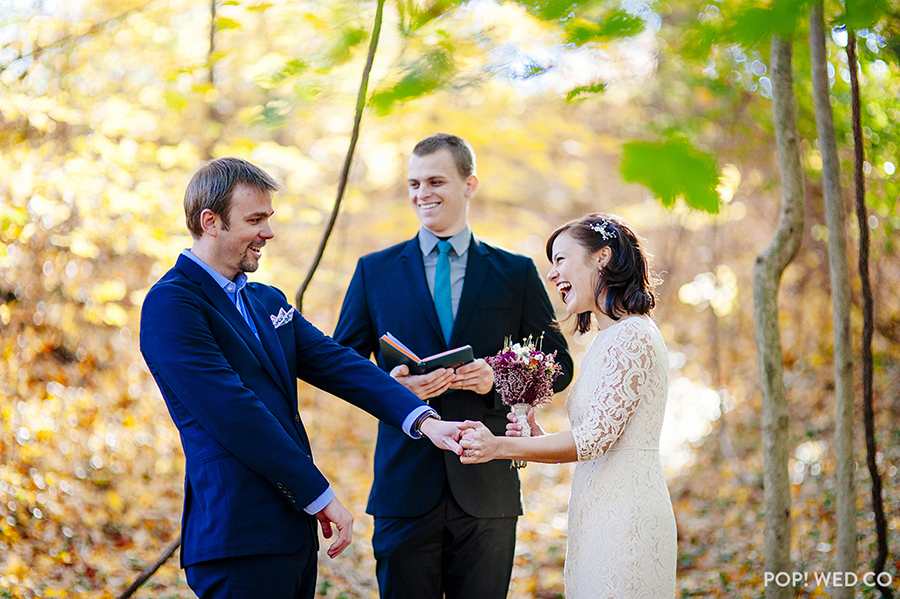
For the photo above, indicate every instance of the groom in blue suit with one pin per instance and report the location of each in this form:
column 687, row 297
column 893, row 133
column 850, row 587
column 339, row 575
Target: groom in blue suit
column 443, row 529
column 226, row 355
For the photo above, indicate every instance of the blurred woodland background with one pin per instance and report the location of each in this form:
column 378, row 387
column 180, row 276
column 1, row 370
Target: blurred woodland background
column 108, row 106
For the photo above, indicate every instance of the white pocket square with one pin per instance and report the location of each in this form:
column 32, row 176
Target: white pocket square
column 282, row 318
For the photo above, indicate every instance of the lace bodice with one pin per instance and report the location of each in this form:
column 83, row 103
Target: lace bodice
column 623, row 364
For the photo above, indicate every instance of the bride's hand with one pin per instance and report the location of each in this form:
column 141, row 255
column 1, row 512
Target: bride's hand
column 514, row 428
column 478, row 443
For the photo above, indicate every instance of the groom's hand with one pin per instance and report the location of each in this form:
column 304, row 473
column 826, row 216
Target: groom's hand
column 425, row 386
column 444, row 434
column 336, row 513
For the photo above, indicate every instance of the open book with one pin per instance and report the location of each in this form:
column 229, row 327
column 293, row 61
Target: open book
column 395, row 353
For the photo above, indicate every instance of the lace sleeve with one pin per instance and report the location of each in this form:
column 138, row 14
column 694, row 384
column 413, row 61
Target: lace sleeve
column 626, row 363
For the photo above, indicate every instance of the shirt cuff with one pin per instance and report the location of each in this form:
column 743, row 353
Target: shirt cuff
column 408, row 422
column 319, row 504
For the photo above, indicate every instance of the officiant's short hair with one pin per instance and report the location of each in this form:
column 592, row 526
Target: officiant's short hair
column 462, row 152
column 213, row 184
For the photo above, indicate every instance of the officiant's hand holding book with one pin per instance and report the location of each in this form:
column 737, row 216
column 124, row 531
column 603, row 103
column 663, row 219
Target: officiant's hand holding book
column 432, row 376
column 396, row 353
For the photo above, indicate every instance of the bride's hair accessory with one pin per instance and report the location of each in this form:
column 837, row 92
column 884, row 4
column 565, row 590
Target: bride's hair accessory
column 601, row 228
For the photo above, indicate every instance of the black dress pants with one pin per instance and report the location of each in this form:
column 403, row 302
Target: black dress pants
column 444, row 554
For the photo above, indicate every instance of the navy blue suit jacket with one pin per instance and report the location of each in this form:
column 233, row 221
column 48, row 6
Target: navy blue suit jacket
column 503, row 296
column 249, row 470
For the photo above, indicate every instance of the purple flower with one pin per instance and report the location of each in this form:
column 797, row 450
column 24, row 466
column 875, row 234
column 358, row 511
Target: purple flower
column 524, row 374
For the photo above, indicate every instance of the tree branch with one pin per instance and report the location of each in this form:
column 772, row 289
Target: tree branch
column 75, row 36
column 150, row 571
column 348, row 160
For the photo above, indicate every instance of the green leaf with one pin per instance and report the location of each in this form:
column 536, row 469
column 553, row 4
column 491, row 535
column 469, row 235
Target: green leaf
column 752, row 24
column 863, row 14
column 614, row 25
column 425, row 76
column 596, row 88
column 553, row 10
column 174, row 100
column 419, row 18
column 349, row 38
column 673, row 169
column 11, row 215
column 223, row 23
column 750, row 27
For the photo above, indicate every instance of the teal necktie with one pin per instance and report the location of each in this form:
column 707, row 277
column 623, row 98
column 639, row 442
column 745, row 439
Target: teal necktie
column 442, row 301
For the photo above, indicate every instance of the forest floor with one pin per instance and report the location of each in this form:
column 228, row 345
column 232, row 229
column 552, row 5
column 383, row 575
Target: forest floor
column 84, row 509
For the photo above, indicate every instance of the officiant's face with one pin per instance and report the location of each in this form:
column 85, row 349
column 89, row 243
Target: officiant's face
column 439, row 193
column 575, row 273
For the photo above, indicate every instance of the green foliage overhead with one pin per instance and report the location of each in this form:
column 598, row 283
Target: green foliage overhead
column 863, row 14
column 425, row 76
column 613, row 25
column 413, row 18
column 552, row 10
column 582, row 90
column 671, row 169
column 346, row 40
column 750, row 24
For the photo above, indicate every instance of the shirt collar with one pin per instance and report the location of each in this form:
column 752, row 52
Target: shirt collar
column 460, row 241
column 240, row 281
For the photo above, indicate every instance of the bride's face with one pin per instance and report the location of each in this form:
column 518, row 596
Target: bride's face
column 575, row 273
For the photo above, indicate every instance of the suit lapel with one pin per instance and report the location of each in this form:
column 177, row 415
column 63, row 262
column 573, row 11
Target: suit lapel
column 274, row 359
column 223, row 304
column 477, row 267
column 414, row 271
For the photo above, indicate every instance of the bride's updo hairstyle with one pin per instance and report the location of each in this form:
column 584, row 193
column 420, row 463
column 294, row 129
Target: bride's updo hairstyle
column 626, row 279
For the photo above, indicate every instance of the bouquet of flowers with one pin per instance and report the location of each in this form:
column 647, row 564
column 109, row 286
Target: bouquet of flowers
column 523, row 376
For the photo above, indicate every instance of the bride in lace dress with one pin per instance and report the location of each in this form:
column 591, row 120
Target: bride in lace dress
column 622, row 540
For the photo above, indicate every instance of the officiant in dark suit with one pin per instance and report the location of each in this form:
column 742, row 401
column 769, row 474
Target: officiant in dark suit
column 443, row 529
column 226, row 355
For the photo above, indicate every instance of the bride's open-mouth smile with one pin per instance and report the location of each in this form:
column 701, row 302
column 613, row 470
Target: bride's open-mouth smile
column 564, row 287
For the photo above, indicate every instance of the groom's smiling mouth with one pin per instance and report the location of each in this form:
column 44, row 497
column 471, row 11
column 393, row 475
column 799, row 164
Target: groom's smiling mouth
column 564, row 288
column 429, row 205
column 256, row 249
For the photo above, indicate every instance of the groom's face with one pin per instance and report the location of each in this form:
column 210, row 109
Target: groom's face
column 439, row 194
column 238, row 246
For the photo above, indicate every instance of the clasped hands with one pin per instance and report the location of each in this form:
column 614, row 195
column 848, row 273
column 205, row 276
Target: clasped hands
column 471, row 440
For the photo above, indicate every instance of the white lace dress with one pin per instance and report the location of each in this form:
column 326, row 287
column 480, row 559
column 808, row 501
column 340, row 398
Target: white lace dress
column 622, row 541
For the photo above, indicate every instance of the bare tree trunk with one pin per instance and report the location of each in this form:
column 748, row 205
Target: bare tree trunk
column 868, row 316
column 845, row 464
column 348, row 160
column 211, row 113
column 770, row 265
